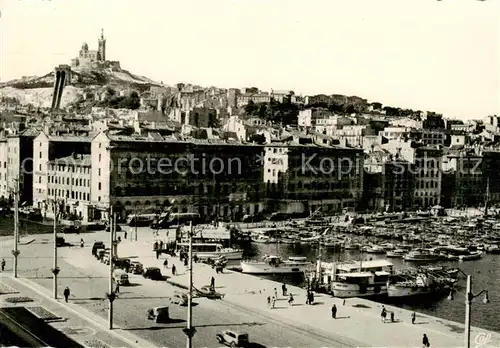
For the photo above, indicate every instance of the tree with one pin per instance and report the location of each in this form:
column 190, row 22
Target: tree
column 250, row 108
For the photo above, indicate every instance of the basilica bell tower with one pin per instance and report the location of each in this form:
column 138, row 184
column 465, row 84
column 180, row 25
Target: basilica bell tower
column 102, row 47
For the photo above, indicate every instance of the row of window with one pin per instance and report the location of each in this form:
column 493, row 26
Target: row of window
column 68, row 168
column 70, row 194
column 426, row 184
column 53, row 179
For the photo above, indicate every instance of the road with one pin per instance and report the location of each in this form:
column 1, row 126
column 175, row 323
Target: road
column 88, row 281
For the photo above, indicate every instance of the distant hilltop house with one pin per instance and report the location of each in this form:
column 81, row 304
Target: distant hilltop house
column 88, row 59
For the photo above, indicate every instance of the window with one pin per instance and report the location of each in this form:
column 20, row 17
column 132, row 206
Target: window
column 99, row 186
column 99, row 171
column 40, row 154
column 99, row 157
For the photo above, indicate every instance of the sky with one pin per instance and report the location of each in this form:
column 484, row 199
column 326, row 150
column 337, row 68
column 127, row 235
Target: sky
column 441, row 56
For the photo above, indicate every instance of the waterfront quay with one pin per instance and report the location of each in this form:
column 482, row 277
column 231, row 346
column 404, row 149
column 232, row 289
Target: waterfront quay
column 244, row 306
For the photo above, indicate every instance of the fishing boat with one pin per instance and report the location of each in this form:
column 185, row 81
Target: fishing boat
column 213, row 251
column 276, row 265
column 375, row 249
column 261, row 239
column 415, row 284
column 356, row 278
column 494, row 250
column 473, row 255
column 422, row 255
column 396, row 253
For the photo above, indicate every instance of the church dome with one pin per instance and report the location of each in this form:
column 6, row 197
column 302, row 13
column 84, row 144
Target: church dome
column 85, row 47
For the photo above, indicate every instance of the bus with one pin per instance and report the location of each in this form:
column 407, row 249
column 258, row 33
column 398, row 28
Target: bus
column 135, row 220
column 176, row 219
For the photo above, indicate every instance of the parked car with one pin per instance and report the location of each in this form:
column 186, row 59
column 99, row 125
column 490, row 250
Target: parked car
column 101, row 253
column 136, row 267
column 122, row 263
column 106, row 257
column 120, row 277
column 96, row 246
column 152, row 273
column 208, row 292
column 179, row 298
column 232, row 338
column 158, row 314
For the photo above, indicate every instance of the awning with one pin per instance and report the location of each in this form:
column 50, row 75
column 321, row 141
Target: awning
column 382, row 273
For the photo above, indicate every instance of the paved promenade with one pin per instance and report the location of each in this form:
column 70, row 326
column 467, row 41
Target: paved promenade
column 358, row 321
column 75, row 323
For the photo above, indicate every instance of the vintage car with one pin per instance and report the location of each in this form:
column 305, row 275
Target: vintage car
column 135, row 267
column 208, row 292
column 232, row 338
column 179, row 298
column 152, row 273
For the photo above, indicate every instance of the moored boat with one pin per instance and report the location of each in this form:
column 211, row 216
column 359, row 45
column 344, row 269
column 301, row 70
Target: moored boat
column 422, row 255
column 396, row 253
column 356, row 278
column 275, row 265
column 473, row 255
column 204, row 251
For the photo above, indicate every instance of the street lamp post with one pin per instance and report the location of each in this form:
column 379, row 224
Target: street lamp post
column 190, row 330
column 15, row 252
column 55, row 269
column 111, row 294
column 469, row 297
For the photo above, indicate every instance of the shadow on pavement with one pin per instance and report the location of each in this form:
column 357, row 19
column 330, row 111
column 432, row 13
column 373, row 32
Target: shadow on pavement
column 131, row 285
column 236, row 324
column 255, row 345
column 341, row 318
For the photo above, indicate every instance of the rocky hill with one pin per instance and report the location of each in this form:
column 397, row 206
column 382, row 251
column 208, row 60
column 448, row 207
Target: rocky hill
column 37, row 90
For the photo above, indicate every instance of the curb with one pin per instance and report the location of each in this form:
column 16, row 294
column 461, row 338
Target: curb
column 133, row 341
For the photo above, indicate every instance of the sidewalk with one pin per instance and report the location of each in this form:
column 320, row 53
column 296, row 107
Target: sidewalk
column 68, row 318
column 358, row 321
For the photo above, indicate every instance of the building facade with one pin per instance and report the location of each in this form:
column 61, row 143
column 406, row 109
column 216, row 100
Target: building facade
column 4, row 184
column 307, row 177
column 463, row 182
column 217, row 179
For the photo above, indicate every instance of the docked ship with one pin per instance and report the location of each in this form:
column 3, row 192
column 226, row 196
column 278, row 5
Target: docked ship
column 213, row 251
column 355, row 278
column 271, row 264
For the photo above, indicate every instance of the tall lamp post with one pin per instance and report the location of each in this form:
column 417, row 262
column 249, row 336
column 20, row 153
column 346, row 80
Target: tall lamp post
column 469, row 297
column 16, row 252
column 55, row 269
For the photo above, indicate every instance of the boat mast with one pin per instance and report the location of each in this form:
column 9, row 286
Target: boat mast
column 487, row 197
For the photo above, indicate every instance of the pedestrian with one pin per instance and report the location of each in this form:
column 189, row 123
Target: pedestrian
column 185, row 261
column 290, row 300
column 268, row 301
column 413, row 317
column 212, row 283
column 275, row 293
column 383, row 315
column 165, row 263
column 392, row 317
column 125, row 235
column 425, row 341
column 334, row 311
column 283, row 289
column 308, row 297
column 81, row 242
column 343, row 303
column 3, row 265
column 273, row 302
column 173, row 270
column 157, row 254
column 117, row 289
column 66, row 294
column 311, row 298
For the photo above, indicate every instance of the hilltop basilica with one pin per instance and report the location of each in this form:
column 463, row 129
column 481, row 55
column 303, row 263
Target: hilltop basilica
column 88, row 58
